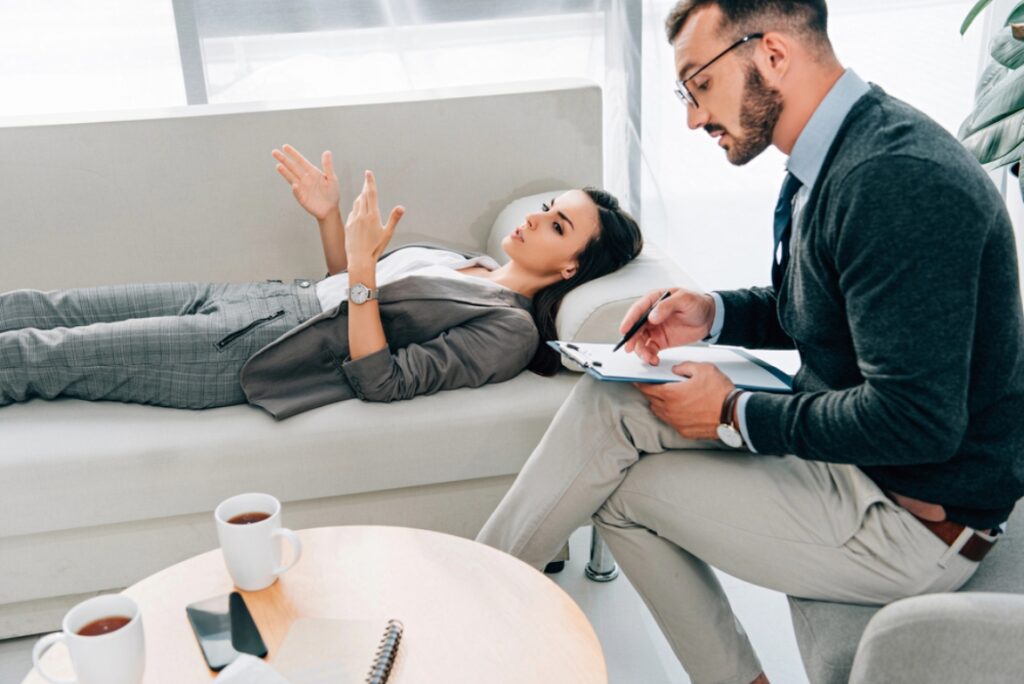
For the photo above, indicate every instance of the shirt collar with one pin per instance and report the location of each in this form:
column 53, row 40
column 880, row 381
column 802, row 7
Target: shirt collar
column 816, row 138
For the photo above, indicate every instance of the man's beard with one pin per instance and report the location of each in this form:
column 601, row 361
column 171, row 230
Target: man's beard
column 759, row 114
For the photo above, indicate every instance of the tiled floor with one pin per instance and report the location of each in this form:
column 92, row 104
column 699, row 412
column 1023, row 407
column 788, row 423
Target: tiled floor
column 634, row 648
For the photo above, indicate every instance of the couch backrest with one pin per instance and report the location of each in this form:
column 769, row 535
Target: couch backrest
column 192, row 194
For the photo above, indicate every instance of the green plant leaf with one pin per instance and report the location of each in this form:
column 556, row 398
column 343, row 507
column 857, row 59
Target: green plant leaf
column 993, row 131
column 975, row 11
column 1006, row 49
column 990, row 78
column 1003, row 99
column 1016, row 16
column 998, row 144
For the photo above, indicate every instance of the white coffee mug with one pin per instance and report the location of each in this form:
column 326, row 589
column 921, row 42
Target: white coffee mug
column 117, row 657
column 252, row 551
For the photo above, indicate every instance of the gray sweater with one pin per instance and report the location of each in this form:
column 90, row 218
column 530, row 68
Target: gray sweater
column 903, row 299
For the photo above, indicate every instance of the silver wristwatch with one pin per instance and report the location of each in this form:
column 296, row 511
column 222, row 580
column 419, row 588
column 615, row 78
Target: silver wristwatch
column 729, row 435
column 360, row 294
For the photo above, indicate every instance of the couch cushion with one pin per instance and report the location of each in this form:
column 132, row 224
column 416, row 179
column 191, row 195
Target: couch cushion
column 68, row 464
column 593, row 311
column 828, row 633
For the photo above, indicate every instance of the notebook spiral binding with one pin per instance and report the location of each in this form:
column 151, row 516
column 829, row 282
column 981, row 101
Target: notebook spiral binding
column 386, row 652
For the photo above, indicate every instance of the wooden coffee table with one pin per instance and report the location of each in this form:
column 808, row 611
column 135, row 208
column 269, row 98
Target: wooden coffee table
column 471, row 613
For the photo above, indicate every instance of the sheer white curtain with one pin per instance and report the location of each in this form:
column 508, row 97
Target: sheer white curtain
column 67, row 56
column 63, row 56
column 715, row 219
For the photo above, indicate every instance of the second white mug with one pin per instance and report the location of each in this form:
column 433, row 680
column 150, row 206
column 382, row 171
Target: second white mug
column 249, row 528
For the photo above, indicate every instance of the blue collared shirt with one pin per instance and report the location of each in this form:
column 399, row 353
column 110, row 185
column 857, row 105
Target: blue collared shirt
column 805, row 162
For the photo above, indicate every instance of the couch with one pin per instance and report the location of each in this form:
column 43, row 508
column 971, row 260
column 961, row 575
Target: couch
column 96, row 496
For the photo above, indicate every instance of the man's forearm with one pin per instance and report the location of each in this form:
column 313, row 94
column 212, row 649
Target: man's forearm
column 332, row 237
column 751, row 320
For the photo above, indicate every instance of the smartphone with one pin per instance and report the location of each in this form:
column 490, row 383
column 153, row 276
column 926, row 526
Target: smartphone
column 225, row 628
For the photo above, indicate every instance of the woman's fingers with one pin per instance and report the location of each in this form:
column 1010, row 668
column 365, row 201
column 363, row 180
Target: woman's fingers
column 290, row 164
column 370, row 188
column 300, row 162
column 286, row 174
column 327, row 159
column 396, row 215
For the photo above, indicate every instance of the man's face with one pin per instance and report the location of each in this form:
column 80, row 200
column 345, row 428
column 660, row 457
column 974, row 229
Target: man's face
column 736, row 106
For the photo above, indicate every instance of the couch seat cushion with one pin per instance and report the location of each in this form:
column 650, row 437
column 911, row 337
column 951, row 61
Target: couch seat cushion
column 68, row 464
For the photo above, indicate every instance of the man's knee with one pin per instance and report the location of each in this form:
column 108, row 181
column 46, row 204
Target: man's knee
column 612, row 514
column 603, row 398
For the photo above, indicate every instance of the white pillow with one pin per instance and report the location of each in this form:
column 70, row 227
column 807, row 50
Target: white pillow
column 593, row 311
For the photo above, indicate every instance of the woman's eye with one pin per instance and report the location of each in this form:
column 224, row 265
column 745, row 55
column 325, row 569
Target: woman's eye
column 545, row 207
column 558, row 228
column 703, row 87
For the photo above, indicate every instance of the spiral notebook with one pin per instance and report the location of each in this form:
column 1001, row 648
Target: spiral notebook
column 744, row 369
column 330, row 651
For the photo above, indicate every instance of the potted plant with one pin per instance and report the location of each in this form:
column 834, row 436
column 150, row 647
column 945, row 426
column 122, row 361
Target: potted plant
column 994, row 131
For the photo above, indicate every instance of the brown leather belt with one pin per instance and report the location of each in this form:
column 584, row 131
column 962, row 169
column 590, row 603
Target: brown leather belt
column 948, row 531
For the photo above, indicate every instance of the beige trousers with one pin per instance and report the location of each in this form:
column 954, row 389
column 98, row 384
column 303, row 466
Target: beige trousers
column 670, row 508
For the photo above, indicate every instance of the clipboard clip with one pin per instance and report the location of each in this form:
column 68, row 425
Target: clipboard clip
column 576, row 354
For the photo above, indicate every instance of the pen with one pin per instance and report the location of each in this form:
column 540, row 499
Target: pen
column 640, row 322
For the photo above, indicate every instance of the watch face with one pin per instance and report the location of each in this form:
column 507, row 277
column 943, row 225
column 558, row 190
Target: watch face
column 358, row 293
column 729, row 435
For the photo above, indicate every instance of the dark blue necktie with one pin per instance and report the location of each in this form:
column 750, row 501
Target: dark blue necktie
column 783, row 228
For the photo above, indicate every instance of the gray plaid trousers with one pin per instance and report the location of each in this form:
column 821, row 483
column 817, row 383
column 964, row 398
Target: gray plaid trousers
column 169, row 344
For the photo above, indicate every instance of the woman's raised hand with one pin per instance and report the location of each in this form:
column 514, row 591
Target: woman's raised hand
column 315, row 190
column 684, row 317
column 365, row 236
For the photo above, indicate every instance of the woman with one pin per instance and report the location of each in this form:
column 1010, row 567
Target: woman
column 380, row 327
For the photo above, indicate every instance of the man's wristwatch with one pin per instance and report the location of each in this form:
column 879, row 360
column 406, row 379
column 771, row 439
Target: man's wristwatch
column 729, row 435
column 360, row 294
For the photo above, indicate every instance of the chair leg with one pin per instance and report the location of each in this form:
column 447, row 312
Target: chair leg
column 601, row 567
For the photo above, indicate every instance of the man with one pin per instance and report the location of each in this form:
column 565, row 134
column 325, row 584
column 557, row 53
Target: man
column 889, row 469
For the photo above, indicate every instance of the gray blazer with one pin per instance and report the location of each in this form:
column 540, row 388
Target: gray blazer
column 442, row 334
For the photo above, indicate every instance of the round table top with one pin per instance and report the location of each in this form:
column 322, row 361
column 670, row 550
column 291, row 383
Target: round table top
column 471, row 613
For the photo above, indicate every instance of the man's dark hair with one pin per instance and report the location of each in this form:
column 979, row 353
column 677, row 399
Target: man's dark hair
column 806, row 18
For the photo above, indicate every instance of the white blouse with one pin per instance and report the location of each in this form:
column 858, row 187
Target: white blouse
column 436, row 263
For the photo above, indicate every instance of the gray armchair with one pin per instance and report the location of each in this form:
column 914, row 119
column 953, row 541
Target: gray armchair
column 967, row 636
column 944, row 638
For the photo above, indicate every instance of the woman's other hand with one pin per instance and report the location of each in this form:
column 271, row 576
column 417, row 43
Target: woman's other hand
column 365, row 236
column 683, row 318
column 315, row 190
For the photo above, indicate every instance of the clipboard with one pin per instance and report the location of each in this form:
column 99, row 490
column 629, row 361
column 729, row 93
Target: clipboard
column 744, row 369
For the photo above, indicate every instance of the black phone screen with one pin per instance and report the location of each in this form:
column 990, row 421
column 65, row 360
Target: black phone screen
column 224, row 629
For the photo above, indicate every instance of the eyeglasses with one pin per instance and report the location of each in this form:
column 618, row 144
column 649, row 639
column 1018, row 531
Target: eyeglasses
column 683, row 92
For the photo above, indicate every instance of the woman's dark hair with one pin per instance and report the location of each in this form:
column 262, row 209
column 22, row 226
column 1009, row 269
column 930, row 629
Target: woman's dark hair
column 617, row 243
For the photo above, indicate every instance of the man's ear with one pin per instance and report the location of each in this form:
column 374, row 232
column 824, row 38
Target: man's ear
column 775, row 55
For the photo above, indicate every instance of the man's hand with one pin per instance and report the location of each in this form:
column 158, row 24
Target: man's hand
column 315, row 190
column 365, row 236
column 684, row 317
column 693, row 406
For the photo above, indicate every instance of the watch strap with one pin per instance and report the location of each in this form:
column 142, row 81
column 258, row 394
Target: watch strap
column 729, row 405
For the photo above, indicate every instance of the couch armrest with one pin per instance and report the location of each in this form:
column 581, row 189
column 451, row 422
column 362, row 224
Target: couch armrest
column 938, row 638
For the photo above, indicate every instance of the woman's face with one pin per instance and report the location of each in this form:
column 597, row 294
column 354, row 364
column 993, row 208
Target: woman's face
column 551, row 237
